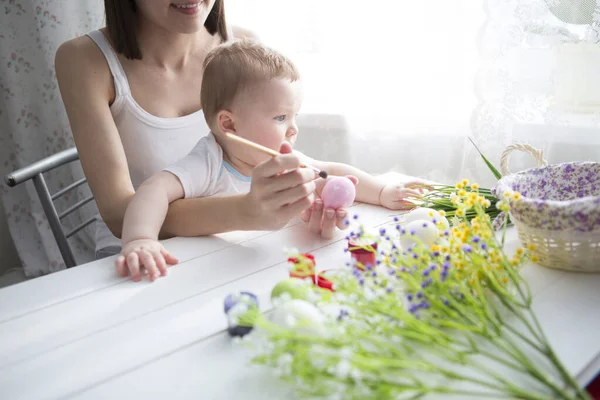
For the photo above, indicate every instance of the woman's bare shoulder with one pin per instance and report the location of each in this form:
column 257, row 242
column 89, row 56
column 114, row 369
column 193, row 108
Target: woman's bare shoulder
column 81, row 62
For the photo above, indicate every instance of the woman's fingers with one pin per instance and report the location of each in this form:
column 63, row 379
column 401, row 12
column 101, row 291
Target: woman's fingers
column 290, row 180
column 291, row 195
column 342, row 218
column 276, row 165
column 292, row 210
column 316, row 216
column 329, row 224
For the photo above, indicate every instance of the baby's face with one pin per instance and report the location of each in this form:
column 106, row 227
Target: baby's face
column 266, row 114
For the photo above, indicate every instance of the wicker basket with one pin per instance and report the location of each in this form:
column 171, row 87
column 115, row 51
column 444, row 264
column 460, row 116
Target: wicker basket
column 559, row 210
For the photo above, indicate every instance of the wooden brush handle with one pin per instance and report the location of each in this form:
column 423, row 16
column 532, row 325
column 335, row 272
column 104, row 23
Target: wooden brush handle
column 259, row 147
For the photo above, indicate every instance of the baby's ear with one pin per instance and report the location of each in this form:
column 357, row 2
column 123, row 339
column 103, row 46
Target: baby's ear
column 225, row 121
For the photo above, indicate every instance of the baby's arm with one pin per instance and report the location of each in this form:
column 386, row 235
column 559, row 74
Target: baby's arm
column 143, row 220
column 368, row 188
column 373, row 190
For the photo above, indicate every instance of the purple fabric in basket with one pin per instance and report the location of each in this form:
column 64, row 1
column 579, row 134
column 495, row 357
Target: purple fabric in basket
column 557, row 197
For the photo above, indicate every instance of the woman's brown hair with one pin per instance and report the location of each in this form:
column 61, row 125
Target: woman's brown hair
column 122, row 21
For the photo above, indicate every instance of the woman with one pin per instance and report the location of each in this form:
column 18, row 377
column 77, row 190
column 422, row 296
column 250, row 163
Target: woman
column 132, row 95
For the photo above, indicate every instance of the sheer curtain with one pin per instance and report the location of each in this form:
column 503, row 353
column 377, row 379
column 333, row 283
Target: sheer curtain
column 538, row 82
column 403, row 83
column 395, row 76
column 34, row 124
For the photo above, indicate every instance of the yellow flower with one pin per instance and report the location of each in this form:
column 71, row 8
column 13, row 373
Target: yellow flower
column 460, row 185
column 535, row 258
column 531, row 247
column 460, row 212
column 516, row 196
column 474, row 186
column 442, row 213
column 519, row 251
column 462, row 193
column 465, row 182
column 504, row 280
column 487, row 203
column 435, row 247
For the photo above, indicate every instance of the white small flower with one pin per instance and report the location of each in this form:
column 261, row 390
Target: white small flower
column 346, row 352
column 343, row 369
column 290, row 320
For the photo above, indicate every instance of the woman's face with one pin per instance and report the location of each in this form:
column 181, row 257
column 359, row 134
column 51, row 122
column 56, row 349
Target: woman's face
column 177, row 16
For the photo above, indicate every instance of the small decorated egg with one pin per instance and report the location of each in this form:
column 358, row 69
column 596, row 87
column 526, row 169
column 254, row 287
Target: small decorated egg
column 291, row 288
column 419, row 231
column 299, row 315
column 428, row 214
column 338, row 192
column 236, row 305
column 359, row 249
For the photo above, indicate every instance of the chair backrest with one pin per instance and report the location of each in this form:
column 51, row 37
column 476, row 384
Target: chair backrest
column 34, row 172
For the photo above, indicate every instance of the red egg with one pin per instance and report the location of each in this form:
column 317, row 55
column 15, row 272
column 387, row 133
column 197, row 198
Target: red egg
column 338, row 192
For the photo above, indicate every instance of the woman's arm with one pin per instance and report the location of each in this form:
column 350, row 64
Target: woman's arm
column 87, row 89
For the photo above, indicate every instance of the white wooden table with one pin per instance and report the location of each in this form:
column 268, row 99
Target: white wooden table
column 88, row 334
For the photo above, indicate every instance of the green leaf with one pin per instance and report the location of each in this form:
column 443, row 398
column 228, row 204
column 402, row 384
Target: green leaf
column 497, row 174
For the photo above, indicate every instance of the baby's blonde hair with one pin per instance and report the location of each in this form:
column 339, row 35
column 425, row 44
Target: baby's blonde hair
column 232, row 67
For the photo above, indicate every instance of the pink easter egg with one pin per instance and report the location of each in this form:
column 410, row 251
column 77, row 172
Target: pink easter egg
column 338, row 192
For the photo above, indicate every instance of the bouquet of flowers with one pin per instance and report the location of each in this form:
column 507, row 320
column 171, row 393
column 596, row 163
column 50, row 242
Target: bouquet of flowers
column 450, row 318
column 444, row 198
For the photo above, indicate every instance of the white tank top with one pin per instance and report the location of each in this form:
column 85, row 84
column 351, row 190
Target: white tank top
column 150, row 143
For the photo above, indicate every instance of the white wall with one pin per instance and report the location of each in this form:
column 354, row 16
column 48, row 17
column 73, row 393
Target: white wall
column 8, row 254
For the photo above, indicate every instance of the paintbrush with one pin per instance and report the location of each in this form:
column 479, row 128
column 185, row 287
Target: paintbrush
column 266, row 150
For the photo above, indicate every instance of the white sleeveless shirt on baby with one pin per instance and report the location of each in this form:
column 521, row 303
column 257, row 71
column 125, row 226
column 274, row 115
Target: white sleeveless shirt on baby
column 151, row 143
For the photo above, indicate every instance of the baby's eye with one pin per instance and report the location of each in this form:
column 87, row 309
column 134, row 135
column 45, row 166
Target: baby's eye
column 280, row 118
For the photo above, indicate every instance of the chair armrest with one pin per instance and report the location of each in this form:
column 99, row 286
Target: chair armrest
column 56, row 160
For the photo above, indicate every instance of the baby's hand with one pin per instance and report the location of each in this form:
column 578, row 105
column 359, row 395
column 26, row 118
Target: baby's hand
column 397, row 196
column 146, row 253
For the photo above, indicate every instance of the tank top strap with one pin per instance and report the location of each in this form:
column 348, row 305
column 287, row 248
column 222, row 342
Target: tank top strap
column 116, row 69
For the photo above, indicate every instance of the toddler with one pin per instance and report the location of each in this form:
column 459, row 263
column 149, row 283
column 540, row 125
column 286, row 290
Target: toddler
column 248, row 90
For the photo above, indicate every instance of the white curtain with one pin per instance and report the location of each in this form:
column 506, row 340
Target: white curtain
column 538, row 82
column 396, row 76
column 33, row 123
column 404, row 83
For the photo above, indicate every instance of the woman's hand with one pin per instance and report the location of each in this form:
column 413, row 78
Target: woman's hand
column 144, row 253
column 323, row 221
column 280, row 190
